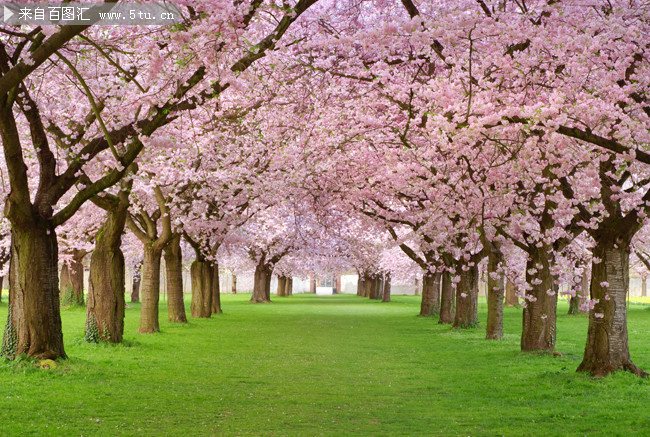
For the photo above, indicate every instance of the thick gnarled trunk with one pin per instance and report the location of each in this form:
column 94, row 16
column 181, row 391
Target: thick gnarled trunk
column 607, row 345
column 539, row 315
column 289, row 287
column 174, row 269
column 201, row 273
column 72, row 280
column 34, row 321
column 262, row 284
column 495, row 295
column 150, row 289
column 430, row 304
column 467, row 298
column 105, row 308
column 447, row 300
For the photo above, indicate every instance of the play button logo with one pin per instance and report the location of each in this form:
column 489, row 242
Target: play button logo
column 7, row 13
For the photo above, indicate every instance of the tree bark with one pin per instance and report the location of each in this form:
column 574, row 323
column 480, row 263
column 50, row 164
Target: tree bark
column 262, row 284
column 511, row 296
column 216, row 291
column 105, row 308
column 430, row 304
column 361, row 285
column 539, row 315
column 573, row 305
column 34, row 321
column 467, row 298
column 202, row 275
column 150, row 289
column 386, row 297
column 72, row 280
column 607, row 345
column 447, row 311
column 495, row 294
column 289, row 286
column 174, row 268
column 234, row 284
column 137, row 277
column 282, row 281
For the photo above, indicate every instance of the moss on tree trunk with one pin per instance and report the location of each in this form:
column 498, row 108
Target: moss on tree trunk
column 34, row 321
column 72, row 280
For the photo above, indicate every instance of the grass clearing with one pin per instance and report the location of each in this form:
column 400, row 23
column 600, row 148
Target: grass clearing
column 331, row 365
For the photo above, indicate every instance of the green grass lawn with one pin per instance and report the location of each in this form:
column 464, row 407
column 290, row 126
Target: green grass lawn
column 311, row 365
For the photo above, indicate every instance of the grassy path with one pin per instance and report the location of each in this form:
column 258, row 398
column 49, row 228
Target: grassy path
column 309, row 365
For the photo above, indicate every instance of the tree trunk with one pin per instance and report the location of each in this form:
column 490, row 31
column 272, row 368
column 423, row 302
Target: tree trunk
column 2, row 283
column 372, row 288
column 607, row 348
column 150, row 290
column 467, row 298
column 234, row 284
column 495, row 295
column 216, row 291
column 201, row 274
column 289, row 286
column 511, row 296
column 430, row 304
column 34, row 319
column 312, row 285
column 282, row 283
column 644, row 287
column 262, row 278
column 386, row 297
column 576, row 302
column 538, row 327
column 573, row 305
column 361, row 285
column 379, row 291
column 447, row 300
column 105, row 308
column 72, row 280
column 137, row 276
column 174, row 268
column 584, row 290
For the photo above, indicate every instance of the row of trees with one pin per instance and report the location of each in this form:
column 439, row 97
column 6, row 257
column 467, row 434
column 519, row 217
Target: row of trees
column 315, row 136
